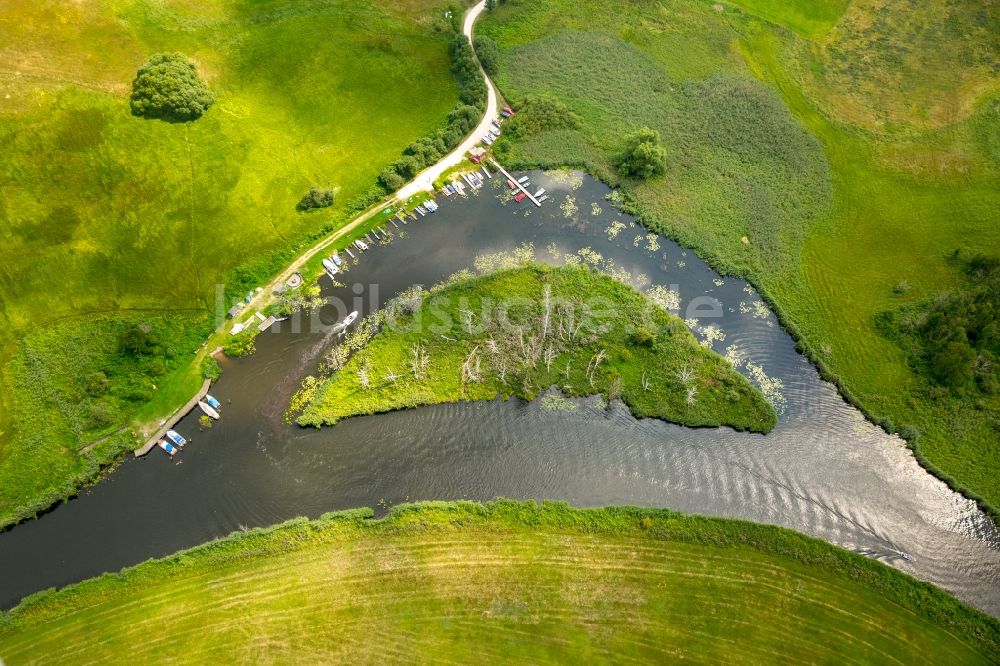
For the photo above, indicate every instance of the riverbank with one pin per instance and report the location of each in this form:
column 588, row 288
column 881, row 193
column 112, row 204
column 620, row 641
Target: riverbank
column 521, row 331
column 836, row 218
column 424, row 582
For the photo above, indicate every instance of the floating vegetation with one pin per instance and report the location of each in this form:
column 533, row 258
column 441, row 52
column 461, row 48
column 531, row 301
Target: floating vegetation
column 591, row 256
column 595, row 210
column 760, row 310
column 652, row 243
column 615, row 198
column 681, row 264
column 498, row 261
column 691, row 323
column 554, row 402
column 712, row 334
column 573, row 179
column 735, row 356
column 718, row 282
column 613, row 230
column 569, row 207
column 668, row 299
column 748, row 289
column 771, row 387
column 637, row 240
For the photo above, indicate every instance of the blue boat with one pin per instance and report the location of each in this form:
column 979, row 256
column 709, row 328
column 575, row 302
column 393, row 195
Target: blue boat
column 336, row 259
column 213, row 402
column 170, row 449
column 176, row 439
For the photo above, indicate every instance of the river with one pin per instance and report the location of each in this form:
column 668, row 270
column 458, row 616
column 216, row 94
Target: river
column 823, row 470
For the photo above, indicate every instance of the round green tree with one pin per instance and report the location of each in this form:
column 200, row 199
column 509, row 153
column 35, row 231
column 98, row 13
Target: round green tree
column 643, row 156
column 167, row 86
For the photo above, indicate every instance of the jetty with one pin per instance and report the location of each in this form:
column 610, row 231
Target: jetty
column 174, row 419
column 517, row 184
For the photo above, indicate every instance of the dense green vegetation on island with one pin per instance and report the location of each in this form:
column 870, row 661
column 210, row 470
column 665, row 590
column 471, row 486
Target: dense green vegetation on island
column 108, row 219
column 521, row 331
column 838, row 154
column 506, row 581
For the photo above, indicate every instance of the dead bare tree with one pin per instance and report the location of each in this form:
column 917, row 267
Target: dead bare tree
column 363, row 378
column 470, row 368
column 550, row 355
column 692, row 391
column 686, row 374
column 391, row 376
column 595, row 361
column 419, row 362
column 645, row 381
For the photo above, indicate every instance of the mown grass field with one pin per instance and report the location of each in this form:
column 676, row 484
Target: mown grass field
column 521, row 331
column 508, row 581
column 106, row 215
column 828, row 151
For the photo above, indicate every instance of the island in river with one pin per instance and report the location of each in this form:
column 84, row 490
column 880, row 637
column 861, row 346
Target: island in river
column 522, row 331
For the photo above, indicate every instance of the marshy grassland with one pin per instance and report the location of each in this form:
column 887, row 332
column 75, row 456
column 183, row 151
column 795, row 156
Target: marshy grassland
column 519, row 332
column 471, row 583
column 835, row 153
column 107, row 219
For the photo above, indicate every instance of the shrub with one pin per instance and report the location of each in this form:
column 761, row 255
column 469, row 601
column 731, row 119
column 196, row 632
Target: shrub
column 210, row 368
column 167, row 87
column 538, row 113
column 489, row 54
column 644, row 156
column 315, row 198
column 97, row 384
column 643, row 337
column 391, row 180
column 137, row 339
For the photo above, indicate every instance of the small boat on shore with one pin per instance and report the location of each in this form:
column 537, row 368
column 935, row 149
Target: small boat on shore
column 420, row 209
column 361, row 245
column 431, row 205
column 336, row 259
column 212, row 401
column 331, row 268
column 208, row 409
column 176, row 439
column 349, row 319
column 169, row 448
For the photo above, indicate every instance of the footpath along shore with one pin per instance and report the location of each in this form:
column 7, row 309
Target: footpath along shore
column 423, row 182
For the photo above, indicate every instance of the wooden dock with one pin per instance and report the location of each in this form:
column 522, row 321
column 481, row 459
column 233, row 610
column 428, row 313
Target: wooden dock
column 173, row 420
column 519, row 185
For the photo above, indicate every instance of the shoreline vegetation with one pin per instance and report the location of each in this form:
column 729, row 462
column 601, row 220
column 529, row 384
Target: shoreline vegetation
column 838, row 205
column 521, row 331
column 506, row 578
column 74, row 435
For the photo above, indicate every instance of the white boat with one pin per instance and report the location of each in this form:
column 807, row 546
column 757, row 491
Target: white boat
column 361, row 245
column 208, row 409
column 431, row 206
column 540, row 192
column 176, row 439
column 420, row 209
column 522, row 180
column 336, row 259
column 544, row 197
column 331, row 268
column 349, row 319
column 488, row 141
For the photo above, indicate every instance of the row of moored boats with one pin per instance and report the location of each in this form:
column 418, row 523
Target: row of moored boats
column 173, row 441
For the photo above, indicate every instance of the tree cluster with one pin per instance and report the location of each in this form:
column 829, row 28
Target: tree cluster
column 644, row 156
column 488, row 53
column 461, row 120
column 315, row 198
column 538, row 113
column 955, row 339
column 167, row 87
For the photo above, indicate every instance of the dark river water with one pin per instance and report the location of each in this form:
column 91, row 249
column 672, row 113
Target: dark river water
column 824, row 470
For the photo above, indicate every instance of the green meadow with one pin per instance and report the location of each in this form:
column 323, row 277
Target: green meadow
column 507, row 581
column 836, row 153
column 107, row 218
column 523, row 330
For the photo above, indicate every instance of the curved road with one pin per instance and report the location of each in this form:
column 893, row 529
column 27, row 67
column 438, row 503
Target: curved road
column 425, row 179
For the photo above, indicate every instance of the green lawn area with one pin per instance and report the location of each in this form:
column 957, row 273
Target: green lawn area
column 522, row 330
column 106, row 216
column 509, row 581
column 828, row 163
